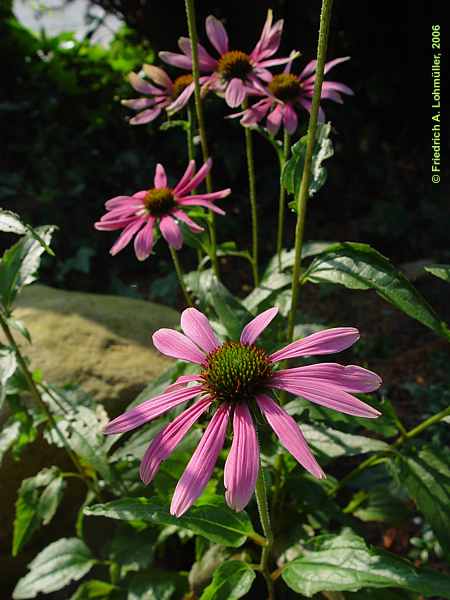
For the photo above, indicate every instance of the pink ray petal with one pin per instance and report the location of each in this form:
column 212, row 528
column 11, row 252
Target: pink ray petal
column 142, row 86
column 331, row 95
column 195, row 181
column 290, row 119
column 350, row 378
column 205, row 61
column 138, row 103
column 117, row 201
column 219, row 195
column 339, row 87
column 181, row 381
column 328, row 341
column 145, row 116
column 326, row 394
column 242, row 464
column 186, row 177
column 120, row 213
column 114, row 225
column 235, row 93
column 274, row 118
column 175, row 344
column 160, row 180
column 171, row 232
column 143, row 242
column 176, row 60
column 289, row 434
column 205, row 203
column 332, row 63
column 269, row 41
column 150, row 409
column 182, row 216
column 273, row 62
column 196, row 326
column 168, row 439
column 257, row 325
column 159, row 76
column 126, row 235
column 182, row 99
column 217, row 34
column 200, row 467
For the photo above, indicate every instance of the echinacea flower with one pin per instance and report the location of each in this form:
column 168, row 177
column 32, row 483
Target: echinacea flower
column 162, row 93
column 234, row 73
column 236, row 378
column 286, row 93
column 159, row 205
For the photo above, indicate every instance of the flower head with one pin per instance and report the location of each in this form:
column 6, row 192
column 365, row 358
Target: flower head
column 237, row 378
column 161, row 93
column 287, row 93
column 234, row 73
column 160, row 205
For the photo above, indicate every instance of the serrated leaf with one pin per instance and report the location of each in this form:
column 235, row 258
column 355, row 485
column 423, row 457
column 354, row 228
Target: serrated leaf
column 426, row 476
column 100, row 590
column 232, row 580
column 8, row 435
column 131, row 549
column 68, row 559
column 19, row 264
column 35, row 506
column 151, row 587
column 361, row 267
column 441, row 271
column 8, row 365
column 291, row 175
column 218, row 523
column 346, row 563
column 10, row 222
column 333, row 443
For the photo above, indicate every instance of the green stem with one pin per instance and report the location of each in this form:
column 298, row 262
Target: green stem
column 302, row 197
column 192, row 28
column 252, row 195
column 43, row 406
column 282, row 197
column 179, row 273
column 376, row 458
column 190, row 134
column 263, row 509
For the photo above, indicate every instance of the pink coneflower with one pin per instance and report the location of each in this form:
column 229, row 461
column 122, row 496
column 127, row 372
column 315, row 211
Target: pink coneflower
column 237, row 378
column 163, row 93
column 139, row 213
column 286, row 93
column 234, row 73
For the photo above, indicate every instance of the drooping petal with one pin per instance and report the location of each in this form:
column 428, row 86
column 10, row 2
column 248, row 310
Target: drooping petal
column 114, row 224
column 138, row 103
column 182, row 216
column 219, row 195
column 181, row 381
column 176, row 60
column 143, row 86
column 126, row 235
column 328, row 341
column 242, row 464
column 257, row 325
column 338, row 87
column 145, row 116
column 201, row 465
column 206, row 62
column 327, row 394
column 273, row 121
column 143, row 242
column 350, row 378
column 160, row 180
column 235, row 93
column 186, row 177
column 196, row 326
column 182, row 190
column 290, row 120
column 193, row 202
column 217, row 34
column 168, row 438
column 175, row 344
column 289, row 434
column 150, row 409
column 118, row 201
column 182, row 100
column 158, row 75
column 171, row 232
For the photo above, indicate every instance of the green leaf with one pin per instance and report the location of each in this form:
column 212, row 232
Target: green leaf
column 131, row 549
column 346, row 563
column 19, row 264
column 232, row 580
column 8, row 365
column 333, row 443
column 68, row 559
column 426, row 476
column 94, row 589
column 379, row 505
column 35, row 506
column 441, row 271
column 177, row 123
column 151, row 587
column 291, row 175
column 8, row 435
column 20, row 327
column 360, row 267
column 10, row 222
column 216, row 522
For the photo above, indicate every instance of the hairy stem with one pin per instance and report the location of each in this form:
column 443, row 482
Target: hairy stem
column 263, row 509
column 179, row 272
column 252, row 196
column 303, row 193
column 282, row 197
column 192, row 28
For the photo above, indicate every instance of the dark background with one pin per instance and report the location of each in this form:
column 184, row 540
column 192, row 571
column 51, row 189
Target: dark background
column 69, row 147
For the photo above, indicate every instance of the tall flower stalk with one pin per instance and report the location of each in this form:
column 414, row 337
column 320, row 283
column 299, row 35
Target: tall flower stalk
column 252, row 196
column 179, row 272
column 192, row 28
column 303, row 193
column 282, row 197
